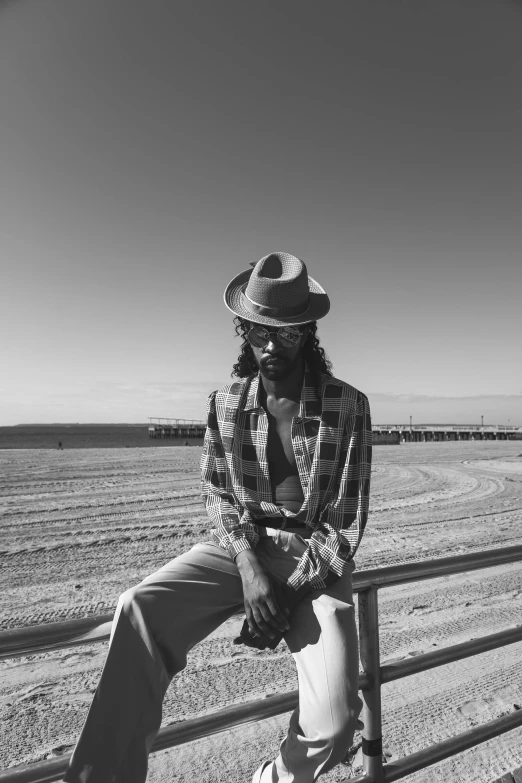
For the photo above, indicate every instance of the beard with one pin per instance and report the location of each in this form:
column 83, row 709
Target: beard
column 281, row 369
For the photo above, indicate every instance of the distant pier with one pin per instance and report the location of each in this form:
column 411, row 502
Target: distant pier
column 425, row 433
column 382, row 433
column 176, row 428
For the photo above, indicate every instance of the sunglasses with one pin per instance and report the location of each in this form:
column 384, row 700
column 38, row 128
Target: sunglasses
column 287, row 336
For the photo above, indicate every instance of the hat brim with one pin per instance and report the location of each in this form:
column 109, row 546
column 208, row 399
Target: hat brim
column 237, row 303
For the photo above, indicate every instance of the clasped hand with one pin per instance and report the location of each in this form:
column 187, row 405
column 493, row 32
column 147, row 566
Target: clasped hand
column 268, row 607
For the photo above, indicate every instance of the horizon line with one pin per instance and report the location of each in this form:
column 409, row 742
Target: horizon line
column 147, row 424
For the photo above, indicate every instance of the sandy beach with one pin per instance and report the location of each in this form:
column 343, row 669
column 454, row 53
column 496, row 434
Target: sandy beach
column 79, row 527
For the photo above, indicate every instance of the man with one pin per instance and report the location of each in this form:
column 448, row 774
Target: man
column 285, row 477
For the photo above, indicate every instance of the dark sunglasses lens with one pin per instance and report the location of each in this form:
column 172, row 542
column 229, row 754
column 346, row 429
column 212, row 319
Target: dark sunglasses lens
column 258, row 337
column 289, row 336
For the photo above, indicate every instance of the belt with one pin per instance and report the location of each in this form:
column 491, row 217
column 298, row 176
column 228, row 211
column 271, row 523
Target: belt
column 282, row 523
column 279, row 523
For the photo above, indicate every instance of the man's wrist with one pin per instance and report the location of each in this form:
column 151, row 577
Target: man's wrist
column 237, row 545
column 247, row 561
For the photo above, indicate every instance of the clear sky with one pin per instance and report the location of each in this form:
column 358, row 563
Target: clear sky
column 151, row 150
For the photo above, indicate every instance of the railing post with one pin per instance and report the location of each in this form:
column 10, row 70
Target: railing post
column 371, row 695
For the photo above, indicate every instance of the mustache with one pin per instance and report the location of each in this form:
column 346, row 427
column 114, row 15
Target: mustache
column 271, row 357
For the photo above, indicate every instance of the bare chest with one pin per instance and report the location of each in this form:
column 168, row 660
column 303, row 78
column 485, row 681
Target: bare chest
column 280, row 452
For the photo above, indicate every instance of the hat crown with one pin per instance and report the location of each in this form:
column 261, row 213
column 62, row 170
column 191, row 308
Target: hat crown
column 277, row 291
column 278, row 280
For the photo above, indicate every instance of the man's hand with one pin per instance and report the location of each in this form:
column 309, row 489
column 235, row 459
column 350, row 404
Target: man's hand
column 278, row 599
column 258, row 642
column 287, row 599
column 264, row 616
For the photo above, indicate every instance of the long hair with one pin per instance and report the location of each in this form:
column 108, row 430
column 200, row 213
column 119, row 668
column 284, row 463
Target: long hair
column 313, row 354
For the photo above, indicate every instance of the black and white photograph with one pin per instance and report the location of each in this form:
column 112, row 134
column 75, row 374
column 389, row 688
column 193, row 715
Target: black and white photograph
column 260, row 391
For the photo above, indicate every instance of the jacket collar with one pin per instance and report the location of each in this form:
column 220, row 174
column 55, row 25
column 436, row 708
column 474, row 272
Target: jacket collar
column 310, row 405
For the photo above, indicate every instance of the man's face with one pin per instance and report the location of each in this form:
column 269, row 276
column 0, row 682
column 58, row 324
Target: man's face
column 275, row 361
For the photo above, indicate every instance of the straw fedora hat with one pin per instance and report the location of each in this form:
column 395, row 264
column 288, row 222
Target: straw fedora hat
column 278, row 291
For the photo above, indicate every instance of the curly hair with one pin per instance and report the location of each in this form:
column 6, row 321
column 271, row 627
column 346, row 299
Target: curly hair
column 313, row 354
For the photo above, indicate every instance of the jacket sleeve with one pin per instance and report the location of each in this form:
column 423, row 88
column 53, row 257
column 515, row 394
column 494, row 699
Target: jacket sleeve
column 234, row 529
column 342, row 520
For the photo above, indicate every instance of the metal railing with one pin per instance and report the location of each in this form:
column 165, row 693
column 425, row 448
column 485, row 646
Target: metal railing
column 163, row 421
column 33, row 640
column 447, row 427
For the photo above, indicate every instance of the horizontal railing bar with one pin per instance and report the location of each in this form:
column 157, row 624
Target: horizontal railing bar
column 54, row 636
column 236, row 715
column 169, row 736
column 41, row 772
column 419, row 663
column 396, row 770
column 431, row 569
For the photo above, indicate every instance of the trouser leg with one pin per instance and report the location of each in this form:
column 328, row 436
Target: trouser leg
column 155, row 625
column 323, row 642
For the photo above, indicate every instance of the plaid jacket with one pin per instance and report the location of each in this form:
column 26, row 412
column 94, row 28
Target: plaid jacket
column 332, row 440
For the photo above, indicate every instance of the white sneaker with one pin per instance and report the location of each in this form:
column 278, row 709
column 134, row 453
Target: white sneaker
column 258, row 774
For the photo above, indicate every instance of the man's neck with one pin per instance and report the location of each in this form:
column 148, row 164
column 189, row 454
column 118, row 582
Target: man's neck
column 289, row 388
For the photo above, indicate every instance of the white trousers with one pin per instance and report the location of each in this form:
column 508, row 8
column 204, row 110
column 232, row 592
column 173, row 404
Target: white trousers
column 160, row 620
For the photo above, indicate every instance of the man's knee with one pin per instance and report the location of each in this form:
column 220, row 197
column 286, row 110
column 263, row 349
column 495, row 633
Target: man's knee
column 127, row 598
column 142, row 609
column 136, row 599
